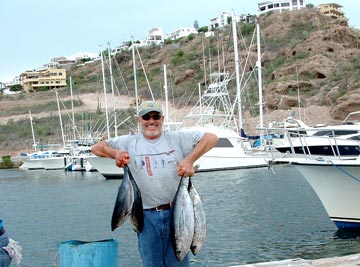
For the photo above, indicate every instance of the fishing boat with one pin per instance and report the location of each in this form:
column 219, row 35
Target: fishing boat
column 325, row 141
column 337, row 184
column 78, row 159
column 106, row 167
column 213, row 113
column 335, row 179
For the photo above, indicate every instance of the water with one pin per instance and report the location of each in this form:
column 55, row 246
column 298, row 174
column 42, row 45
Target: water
column 253, row 216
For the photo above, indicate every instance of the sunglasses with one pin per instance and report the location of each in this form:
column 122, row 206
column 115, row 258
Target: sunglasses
column 155, row 117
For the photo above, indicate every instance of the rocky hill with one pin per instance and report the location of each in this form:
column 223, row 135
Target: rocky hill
column 306, row 57
column 303, row 51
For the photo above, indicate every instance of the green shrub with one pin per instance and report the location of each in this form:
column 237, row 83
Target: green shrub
column 191, row 37
column 6, row 162
column 203, row 29
column 16, row 88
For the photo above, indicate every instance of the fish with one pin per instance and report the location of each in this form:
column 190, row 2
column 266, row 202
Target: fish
column 137, row 212
column 199, row 220
column 124, row 201
column 182, row 224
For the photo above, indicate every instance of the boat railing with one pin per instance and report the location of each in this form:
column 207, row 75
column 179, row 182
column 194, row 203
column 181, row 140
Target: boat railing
column 300, row 142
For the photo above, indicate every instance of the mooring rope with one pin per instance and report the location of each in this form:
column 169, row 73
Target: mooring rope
column 344, row 171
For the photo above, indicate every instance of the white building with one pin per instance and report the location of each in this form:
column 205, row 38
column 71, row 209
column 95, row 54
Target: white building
column 181, row 32
column 82, row 55
column 154, row 37
column 280, row 6
column 220, row 21
column 59, row 62
column 62, row 62
column 123, row 46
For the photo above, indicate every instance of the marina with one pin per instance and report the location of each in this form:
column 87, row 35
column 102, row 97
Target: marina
column 253, row 216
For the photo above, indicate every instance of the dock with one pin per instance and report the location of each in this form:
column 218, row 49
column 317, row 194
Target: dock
column 344, row 261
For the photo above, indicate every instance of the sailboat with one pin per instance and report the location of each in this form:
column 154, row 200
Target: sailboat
column 106, row 166
column 41, row 159
column 31, row 161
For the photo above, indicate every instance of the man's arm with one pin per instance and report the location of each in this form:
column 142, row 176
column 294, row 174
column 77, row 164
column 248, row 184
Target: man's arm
column 186, row 166
column 102, row 149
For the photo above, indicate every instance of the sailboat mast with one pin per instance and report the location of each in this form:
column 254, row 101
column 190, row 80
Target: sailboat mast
column 166, row 96
column 72, row 108
column 32, row 131
column 112, row 91
column 104, row 86
column 135, row 82
column 61, row 125
column 237, row 71
column 261, row 122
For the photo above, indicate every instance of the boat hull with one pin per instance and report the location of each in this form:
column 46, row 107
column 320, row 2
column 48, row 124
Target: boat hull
column 55, row 163
column 106, row 167
column 220, row 162
column 338, row 188
column 32, row 164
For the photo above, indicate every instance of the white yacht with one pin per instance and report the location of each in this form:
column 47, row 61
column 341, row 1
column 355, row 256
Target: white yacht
column 334, row 177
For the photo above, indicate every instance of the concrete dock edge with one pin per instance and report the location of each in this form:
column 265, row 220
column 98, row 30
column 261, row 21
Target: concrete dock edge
column 344, row 261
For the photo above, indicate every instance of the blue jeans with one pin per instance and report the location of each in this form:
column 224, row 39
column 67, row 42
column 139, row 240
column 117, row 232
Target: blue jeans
column 155, row 245
column 4, row 256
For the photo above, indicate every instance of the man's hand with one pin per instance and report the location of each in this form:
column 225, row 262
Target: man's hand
column 186, row 168
column 122, row 158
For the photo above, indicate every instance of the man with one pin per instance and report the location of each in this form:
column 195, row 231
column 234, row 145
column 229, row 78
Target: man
column 156, row 159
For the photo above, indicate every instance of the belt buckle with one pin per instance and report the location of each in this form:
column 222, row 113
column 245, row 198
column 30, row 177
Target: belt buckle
column 158, row 208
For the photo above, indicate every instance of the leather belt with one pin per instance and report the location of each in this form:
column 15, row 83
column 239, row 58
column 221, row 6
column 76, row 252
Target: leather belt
column 161, row 207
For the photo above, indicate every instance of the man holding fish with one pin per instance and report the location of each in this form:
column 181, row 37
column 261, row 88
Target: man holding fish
column 157, row 159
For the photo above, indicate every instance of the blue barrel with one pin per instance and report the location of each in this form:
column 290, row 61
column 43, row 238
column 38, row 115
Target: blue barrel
column 74, row 253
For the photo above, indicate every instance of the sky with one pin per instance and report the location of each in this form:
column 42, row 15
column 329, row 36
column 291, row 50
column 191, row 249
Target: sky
column 33, row 32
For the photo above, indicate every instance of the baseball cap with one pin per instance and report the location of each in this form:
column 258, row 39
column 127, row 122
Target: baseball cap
column 149, row 106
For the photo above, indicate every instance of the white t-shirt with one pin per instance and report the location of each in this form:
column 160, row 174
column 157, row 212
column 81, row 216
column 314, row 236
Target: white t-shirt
column 153, row 163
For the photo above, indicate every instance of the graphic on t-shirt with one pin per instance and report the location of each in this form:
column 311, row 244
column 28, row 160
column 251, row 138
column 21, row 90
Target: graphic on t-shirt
column 148, row 166
column 142, row 164
column 155, row 163
column 151, row 161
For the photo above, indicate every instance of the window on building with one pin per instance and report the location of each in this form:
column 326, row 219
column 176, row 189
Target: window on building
column 285, row 4
column 270, row 6
column 294, row 2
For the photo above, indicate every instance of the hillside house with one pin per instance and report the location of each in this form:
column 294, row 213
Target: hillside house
column 181, row 32
column 220, row 21
column 332, row 10
column 59, row 62
column 154, row 37
column 44, row 78
column 280, row 6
